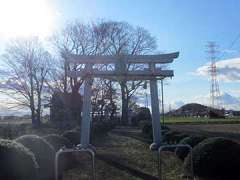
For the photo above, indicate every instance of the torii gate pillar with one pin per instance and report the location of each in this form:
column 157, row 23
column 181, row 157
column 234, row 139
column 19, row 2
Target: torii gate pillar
column 86, row 111
column 155, row 112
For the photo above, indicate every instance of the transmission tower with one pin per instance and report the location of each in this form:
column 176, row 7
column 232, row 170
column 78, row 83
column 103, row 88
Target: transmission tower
column 214, row 86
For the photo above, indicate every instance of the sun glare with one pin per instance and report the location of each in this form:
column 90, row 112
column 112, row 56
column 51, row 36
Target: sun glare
column 25, row 18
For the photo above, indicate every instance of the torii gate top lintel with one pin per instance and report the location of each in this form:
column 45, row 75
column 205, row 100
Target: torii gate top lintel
column 108, row 59
column 120, row 63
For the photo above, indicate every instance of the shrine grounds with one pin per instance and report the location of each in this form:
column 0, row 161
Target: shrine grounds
column 123, row 153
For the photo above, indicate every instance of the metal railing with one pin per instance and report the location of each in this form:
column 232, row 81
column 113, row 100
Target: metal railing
column 76, row 149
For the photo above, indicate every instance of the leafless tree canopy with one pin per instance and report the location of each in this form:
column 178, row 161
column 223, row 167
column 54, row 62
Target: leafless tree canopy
column 104, row 38
column 24, row 73
column 29, row 69
column 127, row 40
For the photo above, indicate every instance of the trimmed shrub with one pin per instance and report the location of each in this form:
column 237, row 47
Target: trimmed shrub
column 17, row 162
column 192, row 141
column 173, row 137
column 216, row 159
column 58, row 141
column 65, row 160
column 178, row 137
column 101, row 128
column 143, row 114
column 72, row 136
column 148, row 131
column 44, row 153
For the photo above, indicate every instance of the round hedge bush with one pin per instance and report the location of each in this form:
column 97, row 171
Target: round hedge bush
column 101, row 128
column 178, row 137
column 192, row 141
column 44, row 153
column 216, row 159
column 58, row 141
column 173, row 137
column 17, row 162
column 169, row 136
column 147, row 129
column 73, row 136
column 65, row 160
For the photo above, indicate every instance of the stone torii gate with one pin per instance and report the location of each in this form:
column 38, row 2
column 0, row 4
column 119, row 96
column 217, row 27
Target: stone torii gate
column 121, row 72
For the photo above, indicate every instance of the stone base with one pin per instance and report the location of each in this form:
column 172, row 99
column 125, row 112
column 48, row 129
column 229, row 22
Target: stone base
column 154, row 146
column 89, row 146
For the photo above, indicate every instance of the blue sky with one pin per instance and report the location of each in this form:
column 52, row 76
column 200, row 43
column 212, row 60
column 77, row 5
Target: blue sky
column 179, row 25
column 185, row 26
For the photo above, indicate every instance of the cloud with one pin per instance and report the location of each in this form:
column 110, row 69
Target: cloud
column 227, row 70
column 177, row 104
column 227, row 101
column 229, row 51
column 235, row 92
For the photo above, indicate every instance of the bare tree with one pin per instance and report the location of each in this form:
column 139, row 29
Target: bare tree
column 24, row 73
column 123, row 39
column 104, row 38
column 80, row 39
column 104, row 98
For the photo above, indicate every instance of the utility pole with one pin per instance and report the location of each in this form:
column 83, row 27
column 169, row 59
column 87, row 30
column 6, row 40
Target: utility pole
column 163, row 118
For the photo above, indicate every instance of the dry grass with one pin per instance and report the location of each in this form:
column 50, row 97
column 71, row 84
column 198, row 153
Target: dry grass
column 129, row 152
column 218, row 128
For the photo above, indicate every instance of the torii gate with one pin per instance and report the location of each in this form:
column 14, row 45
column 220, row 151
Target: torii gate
column 120, row 71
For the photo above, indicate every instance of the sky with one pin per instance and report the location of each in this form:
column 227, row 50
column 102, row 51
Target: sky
column 185, row 26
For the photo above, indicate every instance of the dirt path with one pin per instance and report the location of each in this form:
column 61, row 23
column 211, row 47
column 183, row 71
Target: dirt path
column 120, row 152
column 132, row 132
column 112, row 160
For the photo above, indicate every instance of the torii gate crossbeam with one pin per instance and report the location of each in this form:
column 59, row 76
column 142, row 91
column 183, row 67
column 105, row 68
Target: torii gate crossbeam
column 151, row 73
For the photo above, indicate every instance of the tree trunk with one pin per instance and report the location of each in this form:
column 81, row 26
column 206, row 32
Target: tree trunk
column 124, row 117
column 38, row 118
column 101, row 110
column 32, row 104
column 112, row 105
column 33, row 117
column 35, row 120
column 65, row 77
column 38, row 111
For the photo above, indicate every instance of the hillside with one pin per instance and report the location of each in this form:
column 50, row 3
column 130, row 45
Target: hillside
column 195, row 109
column 192, row 109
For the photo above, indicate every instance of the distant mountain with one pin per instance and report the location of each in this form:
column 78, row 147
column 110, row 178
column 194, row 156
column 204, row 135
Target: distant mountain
column 195, row 109
column 226, row 100
column 192, row 109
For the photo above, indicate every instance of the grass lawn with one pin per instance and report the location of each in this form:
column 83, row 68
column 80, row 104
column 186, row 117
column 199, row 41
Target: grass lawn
column 127, row 157
column 200, row 120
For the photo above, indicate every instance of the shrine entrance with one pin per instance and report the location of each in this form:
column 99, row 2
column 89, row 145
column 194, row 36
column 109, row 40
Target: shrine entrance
column 91, row 67
column 119, row 71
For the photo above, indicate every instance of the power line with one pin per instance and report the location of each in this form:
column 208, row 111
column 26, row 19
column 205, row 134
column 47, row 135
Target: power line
column 234, row 41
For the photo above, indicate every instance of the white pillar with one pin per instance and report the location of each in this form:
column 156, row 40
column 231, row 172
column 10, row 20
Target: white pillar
column 155, row 111
column 86, row 112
